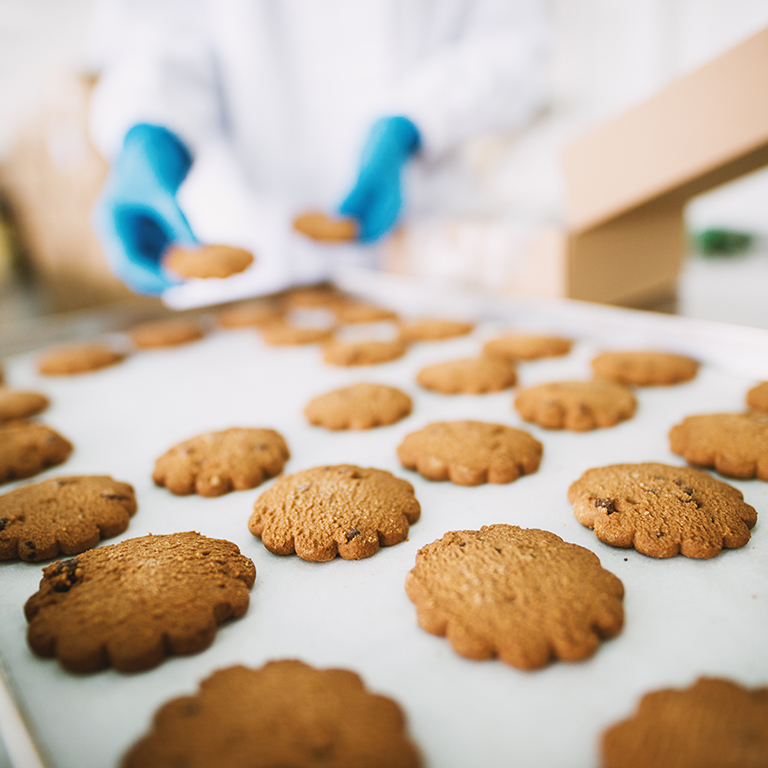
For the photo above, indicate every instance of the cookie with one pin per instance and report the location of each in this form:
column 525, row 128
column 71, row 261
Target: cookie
column 662, row 510
column 77, row 358
column 207, row 261
column 216, row 463
column 433, row 329
column 327, row 511
column 319, row 226
column 366, row 352
column 576, row 405
column 66, row 514
column 254, row 314
column 351, row 311
column 129, row 605
column 470, row 452
column 644, row 369
column 474, row 376
column 166, row 333
column 285, row 713
column 735, row 444
column 714, row 722
column 27, row 448
column 361, row 406
column 318, row 296
column 15, row 404
column 527, row 346
column 757, row 397
column 285, row 334
column 523, row 595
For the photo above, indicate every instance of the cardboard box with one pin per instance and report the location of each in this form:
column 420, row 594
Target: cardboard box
column 627, row 183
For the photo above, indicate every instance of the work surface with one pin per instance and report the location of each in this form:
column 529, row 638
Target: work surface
column 684, row 618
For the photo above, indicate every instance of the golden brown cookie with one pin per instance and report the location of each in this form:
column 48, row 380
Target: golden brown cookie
column 327, row 511
column 15, row 404
column 527, row 346
column 735, row 444
column 319, row 226
column 159, row 334
column 470, row 452
column 318, row 296
column 255, row 314
column 282, row 333
column 216, row 463
column 27, row 448
column 361, row 406
column 284, row 714
column 77, row 358
column 66, row 514
column 129, row 605
column 474, row 376
column 433, row 329
column 643, row 368
column 351, row 311
column 714, row 722
column 576, row 405
column 366, row 352
column 757, row 397
column 523, row 595
column 207, row 261
column 662, row 510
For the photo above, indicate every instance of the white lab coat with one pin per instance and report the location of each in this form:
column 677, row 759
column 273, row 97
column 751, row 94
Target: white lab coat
column 275, row 99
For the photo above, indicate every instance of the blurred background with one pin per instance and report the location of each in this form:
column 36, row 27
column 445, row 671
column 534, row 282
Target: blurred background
column 608, row 55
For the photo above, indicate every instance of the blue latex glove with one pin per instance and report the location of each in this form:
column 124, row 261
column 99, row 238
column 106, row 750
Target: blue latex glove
column 376, row 198
column 136, row 215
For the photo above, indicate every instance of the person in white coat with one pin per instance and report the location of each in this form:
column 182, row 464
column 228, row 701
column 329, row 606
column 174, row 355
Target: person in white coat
column 224, row 118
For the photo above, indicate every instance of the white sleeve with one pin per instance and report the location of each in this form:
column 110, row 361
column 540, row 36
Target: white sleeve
column 490, row 77
column 155, row 65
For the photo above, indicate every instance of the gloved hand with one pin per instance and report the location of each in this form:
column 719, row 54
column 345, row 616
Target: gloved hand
column 136, row 215
column 376, row 198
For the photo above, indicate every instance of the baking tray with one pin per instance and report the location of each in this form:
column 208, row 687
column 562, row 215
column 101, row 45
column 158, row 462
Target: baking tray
column 684, row 618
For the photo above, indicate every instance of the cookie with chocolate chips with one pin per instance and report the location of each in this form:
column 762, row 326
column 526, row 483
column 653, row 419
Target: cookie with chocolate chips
column 340, row 510
column 16, row 404
column 361, row 406
column 470, row 452
column 66, row 514
column 735, row 444
column 285, row 713
column 714, row 722
column 523, row 595
column 216, row 463
column 474, row 376
column 129, row 605
column 662, row 510
column 27, row 448
column 578, row 406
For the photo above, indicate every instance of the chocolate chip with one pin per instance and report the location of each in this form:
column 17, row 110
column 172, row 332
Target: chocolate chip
column 498, row 550
column 109, row 495
column 462, row 543
column 352, row 533
column 688, row 490
column 3, row 522
column 30, row 545
column 607, row 504
column 62, row 576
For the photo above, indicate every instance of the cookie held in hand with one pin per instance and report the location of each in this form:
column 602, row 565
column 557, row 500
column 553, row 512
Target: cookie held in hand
column 66, row 514
column 735, row 444
column 340, row 510
column 361, row 406
column 714, row 722
column 207, row 261
column 319, row 226
column 662, row 510
column 284, row 714
column 523, row 595
column 470, row 452
column 129, row 605
column 27, row 448
column 216, row 463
